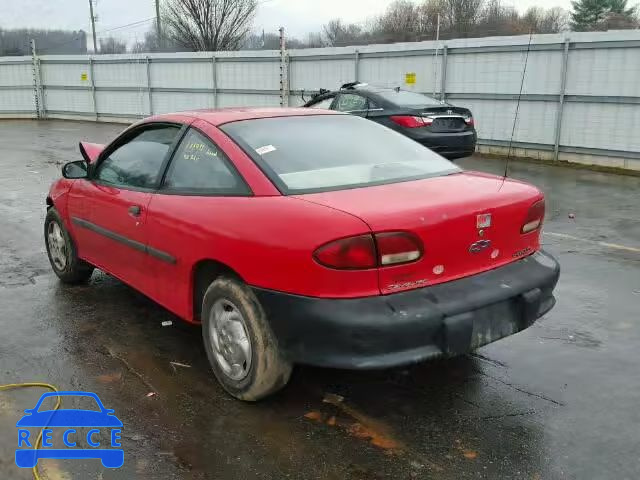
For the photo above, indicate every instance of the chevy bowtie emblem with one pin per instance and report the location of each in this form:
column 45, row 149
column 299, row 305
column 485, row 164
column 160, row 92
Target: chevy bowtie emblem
column 479, row 246
column 483, row 220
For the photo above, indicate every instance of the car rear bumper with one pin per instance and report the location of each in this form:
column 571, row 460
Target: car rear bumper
column 442, row 320
column 449, row 145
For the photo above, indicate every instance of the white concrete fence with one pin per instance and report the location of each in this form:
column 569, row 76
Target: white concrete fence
column 580, row 101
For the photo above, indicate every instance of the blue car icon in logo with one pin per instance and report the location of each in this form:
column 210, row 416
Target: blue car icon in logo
column 68, row 419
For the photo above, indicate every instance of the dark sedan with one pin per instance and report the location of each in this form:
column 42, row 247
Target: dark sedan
column 444, row 128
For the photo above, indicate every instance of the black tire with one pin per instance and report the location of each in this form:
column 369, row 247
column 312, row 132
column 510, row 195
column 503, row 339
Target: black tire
column 268, row 370
column 74, row 270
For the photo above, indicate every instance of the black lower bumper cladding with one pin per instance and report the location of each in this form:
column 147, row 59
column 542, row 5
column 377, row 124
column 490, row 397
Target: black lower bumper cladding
column 442, row 320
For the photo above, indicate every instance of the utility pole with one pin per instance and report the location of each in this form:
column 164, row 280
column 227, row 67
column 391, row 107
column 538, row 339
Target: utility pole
column 93, row 27
column 159, row 26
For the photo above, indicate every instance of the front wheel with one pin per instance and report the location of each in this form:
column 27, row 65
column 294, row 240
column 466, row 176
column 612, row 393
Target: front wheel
column 240, row 345
column 62, row 251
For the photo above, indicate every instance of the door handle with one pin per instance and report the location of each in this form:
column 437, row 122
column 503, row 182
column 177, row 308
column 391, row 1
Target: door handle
column 134, row 210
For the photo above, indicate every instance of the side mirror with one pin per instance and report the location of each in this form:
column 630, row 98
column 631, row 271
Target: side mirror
column 74, row 170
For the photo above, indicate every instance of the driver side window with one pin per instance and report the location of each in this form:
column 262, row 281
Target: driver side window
column 138, row 162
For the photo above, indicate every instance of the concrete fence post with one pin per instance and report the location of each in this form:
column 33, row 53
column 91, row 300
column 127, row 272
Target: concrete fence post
column 443, row 77
column 149, row 92
column 288, row 80
column 214, row 80
column 284, row 94
column 563, row 88
column 43, row 103
column 93, row 88
column 37, row 87
column 356, row 66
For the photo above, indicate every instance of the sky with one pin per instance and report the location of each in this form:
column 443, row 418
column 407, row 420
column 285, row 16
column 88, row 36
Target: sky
column 297, row 16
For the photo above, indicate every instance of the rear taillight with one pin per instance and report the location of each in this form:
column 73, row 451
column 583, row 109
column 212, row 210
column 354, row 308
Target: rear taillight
column 370, row 251
column 469, row 121
column 534, row 218
column 398, row 247
column 353, row 253
column 409, row 121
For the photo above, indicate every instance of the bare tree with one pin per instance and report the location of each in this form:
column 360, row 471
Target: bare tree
column 315, row 40
column 462, row 15
column 339, row 34
column 408, row 21
column 112, row 45
column 210, row 25
column 151, row 43
column 429, row 12
column 556, row 20
column 261, row 41
column 539, row 20
column 499, row 19
column 16, row 41
column 402, row 21
column 617, row 21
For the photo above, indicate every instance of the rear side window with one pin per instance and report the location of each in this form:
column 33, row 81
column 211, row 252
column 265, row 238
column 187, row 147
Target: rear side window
column 138, row 162
column 332, row 152
column 199, row 166
column 350, row 102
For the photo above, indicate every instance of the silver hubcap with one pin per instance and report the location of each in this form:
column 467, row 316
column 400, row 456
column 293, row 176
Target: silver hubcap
column 57, row 246
column 231, row 345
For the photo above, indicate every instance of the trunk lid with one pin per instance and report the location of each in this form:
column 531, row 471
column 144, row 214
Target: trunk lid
column 444, row 213
column 446, row 118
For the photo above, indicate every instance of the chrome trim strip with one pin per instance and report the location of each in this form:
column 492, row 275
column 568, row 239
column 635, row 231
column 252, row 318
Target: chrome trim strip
column 141, row 247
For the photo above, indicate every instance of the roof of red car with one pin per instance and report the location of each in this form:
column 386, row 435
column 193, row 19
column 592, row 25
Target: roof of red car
column 226, row 115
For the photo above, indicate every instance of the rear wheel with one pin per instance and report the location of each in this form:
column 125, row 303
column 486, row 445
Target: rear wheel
column 62, row 251
column 240, row 345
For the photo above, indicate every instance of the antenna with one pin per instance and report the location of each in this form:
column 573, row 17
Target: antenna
column 515, row 118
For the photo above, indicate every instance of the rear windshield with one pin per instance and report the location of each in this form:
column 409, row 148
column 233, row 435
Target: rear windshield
column 403, row 98
column 331, row 152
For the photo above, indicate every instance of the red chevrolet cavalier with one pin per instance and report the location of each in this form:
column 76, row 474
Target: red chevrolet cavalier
column 303, row 236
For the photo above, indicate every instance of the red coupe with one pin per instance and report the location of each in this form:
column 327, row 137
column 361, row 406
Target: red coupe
column 303, row 236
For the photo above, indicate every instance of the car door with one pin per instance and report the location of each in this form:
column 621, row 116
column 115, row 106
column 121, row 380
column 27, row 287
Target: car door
column 352, row 103
column 201, row 192
column 109, row 209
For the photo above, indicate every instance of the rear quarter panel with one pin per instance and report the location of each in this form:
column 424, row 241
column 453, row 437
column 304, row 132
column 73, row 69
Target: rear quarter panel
column 268, row 241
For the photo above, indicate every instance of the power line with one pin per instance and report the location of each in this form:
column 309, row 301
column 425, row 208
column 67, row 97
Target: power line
column 76, row 38
column 139, row 22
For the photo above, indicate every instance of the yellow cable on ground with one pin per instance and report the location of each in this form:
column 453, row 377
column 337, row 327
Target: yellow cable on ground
column 11, row 386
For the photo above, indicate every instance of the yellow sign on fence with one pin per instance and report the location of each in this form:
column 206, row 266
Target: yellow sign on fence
column 410, row 78
column 83, row 76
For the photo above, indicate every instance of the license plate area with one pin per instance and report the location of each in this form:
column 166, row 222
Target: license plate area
column 444, row 124
column 471, row 330
column 494, row 322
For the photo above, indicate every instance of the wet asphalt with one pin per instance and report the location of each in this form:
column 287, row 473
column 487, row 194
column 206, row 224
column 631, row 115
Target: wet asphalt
column 559, row 400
